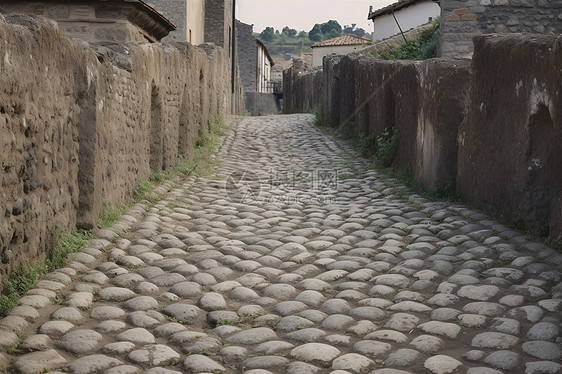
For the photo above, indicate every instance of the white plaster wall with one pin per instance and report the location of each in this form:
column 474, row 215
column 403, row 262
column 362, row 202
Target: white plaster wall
column 264, row 71
column 318, row 53
column 408, row 18
column 195, row 21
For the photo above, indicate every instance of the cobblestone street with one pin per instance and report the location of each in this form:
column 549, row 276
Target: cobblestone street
column 297, row 257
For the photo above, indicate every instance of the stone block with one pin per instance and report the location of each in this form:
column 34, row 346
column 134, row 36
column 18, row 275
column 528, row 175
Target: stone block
column 508, row 158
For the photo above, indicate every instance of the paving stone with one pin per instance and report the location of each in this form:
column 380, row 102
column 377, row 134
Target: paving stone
column 543, row 331
column 266, row 362
column 542, row 350
column 80, row 341
column 252, row 336
column 154, row 355
column 272, row 347
column 8, row 339
column 402, row 357
column 137, row 335
column 428, row 343
column 542, row 367
column 353, row 362
column 211, row 301
column 387, row 335
column 199, row 363
column 115, row 294
column 315, row 352
column 531, row 313
column 495, row 340
column 308, row 335
column 118, row 348
column 484, row 308
column 55, row 329
column 182, row 312
column 503, row 359
column 39, row 362
column 371, row 348
column 483, row 370
column 297, row 367
column 446, row 329
column 442, row 364
column 234, row 353
column 402, row 322
column 93, row 364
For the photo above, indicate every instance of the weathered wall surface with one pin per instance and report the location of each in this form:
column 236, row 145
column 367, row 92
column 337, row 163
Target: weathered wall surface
column 246, row 46
column 371, row 95
column 461, row 20
column 510, row 144
column 82, row 123
column 261, row 104
column 176, row 12
column 495, row 128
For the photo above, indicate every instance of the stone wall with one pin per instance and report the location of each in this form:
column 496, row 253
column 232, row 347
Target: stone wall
column 510, row 144
column 494, row 126
column 176, row 12
column 261, row 104
column 461, row 20
column 247, row 55
column 370, row 95
column 82, row 123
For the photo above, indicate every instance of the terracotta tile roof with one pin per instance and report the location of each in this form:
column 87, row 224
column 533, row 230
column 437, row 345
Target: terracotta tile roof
column 393, row 8
column 346, row 39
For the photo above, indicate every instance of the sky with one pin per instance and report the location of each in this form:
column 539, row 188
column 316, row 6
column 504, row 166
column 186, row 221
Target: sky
column 303, row 14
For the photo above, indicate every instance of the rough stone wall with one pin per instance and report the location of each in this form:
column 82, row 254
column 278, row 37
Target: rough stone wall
column 247, row 55
column 495, row 126
column 509, row 144
column 82, row 123
column 38, row 115
column 176, row 12
column 218, row 23
column 461, row 20
column 368, row 96
column 397, row 40
column 261, row 104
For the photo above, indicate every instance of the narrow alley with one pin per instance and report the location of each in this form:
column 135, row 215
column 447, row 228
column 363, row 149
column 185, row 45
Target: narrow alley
column 295, row 256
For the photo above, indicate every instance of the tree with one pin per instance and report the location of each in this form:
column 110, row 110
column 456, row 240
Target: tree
column 315, row 34
column 289, row 32
column 331, row 28
column 353, row 30
column 268, row 34
column 303, row 34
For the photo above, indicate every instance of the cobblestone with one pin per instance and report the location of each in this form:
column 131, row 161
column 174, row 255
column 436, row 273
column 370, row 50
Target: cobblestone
column 337, row 273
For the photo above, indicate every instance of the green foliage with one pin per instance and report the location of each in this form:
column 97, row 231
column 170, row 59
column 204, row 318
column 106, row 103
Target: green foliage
column 387, row 146
column 366, row 146
column 109, row 216
column 291, row 33
column 325, row 31
column 315, row 34
column 268, row 34
column 24, row 278
column 287, row 41
column 420, row 48
column 353, row 30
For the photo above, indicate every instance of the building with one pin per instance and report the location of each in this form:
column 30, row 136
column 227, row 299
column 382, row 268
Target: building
column 254, row 60
column 342, row 45
column 90, row 20
column 402, row 16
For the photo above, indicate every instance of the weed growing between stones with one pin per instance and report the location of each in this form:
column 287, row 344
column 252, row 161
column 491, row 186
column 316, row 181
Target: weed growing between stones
column 24, row 279
column 387, row 146
column 420, row 48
